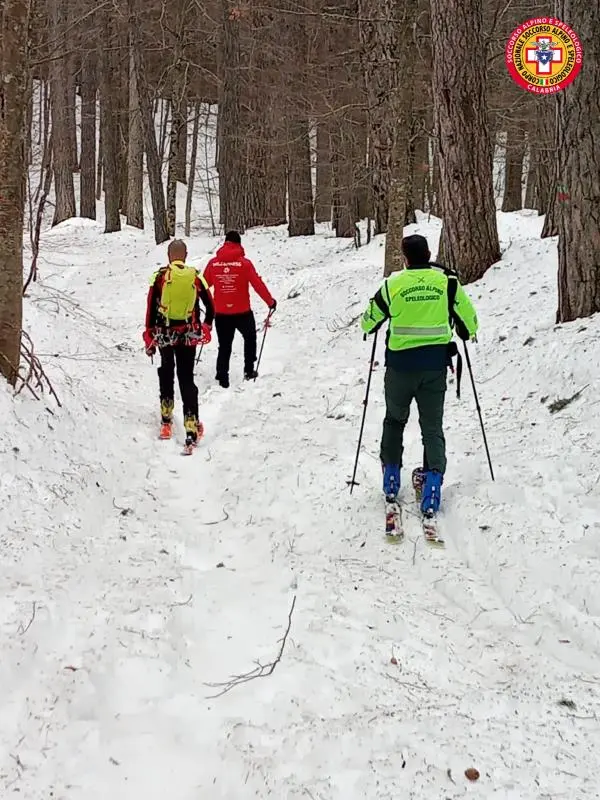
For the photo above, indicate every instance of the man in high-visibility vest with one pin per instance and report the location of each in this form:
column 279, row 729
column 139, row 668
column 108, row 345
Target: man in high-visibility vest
column 423, row 304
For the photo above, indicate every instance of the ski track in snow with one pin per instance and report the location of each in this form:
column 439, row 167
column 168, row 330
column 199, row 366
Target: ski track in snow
column 133, row 577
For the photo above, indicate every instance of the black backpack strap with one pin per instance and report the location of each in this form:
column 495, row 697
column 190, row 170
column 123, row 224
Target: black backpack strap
column 459, row 366
column 455, row 322
column 452, row 289
column 452, row 352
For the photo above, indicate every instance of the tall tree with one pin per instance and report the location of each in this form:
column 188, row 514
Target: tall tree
column 87, row 201
column 579, row 168
column 513, row 173
column 470, row 233
column 300, row 190
column 231, row 174
column 549, row 205
column 109, row 127
column 402, row 101
column 14, row 56
column 60, row 101
column 380, row 46
column 323, row 198
column 178, row 132
column 135, row 152
column 152, row 156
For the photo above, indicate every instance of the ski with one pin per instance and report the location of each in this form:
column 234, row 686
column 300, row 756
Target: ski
column 431, row 532
column 394, row 531
column 429, row 522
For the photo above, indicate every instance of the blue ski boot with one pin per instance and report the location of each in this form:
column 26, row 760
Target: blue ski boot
column 391, row 480
column 431, row 493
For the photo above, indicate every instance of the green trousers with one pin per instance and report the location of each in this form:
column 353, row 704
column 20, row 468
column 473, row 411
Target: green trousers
column 428, row 388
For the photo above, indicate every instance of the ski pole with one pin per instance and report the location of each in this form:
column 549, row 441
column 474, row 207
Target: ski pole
column 487, row 450
column 266, row 327
column 352, row 483
column 198, row 357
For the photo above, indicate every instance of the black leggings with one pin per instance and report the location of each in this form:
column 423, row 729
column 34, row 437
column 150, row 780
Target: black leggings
column 226, row 325
column 184, row 356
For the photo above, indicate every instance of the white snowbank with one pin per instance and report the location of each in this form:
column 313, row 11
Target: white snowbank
column 152, row 575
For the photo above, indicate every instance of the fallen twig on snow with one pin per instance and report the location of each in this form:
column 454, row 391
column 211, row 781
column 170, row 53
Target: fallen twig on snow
column 338, row 325
column 261, row 670
column 217, row 521
column 35, row 380
column 185, row 602
column 23, row 630
column 561, row 403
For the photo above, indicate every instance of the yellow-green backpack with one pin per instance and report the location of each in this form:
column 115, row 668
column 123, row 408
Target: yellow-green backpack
column 178, row 296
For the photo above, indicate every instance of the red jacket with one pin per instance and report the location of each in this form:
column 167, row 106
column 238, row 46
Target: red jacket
column 231, row 273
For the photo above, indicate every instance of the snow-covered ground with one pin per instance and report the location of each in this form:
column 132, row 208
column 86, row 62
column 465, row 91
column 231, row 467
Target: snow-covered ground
column 133, row 578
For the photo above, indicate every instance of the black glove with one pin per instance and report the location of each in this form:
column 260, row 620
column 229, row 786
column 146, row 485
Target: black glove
column 273, row 305
column 461, row 330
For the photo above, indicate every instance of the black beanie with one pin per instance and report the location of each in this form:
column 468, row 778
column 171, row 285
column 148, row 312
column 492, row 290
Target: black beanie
column 233, row 236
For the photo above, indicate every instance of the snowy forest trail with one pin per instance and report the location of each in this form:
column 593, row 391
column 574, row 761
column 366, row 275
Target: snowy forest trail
column 160, row 575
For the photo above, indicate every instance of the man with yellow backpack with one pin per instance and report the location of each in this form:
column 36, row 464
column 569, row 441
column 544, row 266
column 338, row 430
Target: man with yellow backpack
column 173, row 325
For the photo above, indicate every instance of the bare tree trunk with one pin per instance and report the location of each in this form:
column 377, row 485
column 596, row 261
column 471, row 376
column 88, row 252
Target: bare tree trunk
column 362, row 189
column 513, row 176
column 192, row 178
column 470, row 233
column 135, row 152
column 220, row 165
column 300, row 196
column 62, row 133
column 230, row 146
column 401, row 104
column 122, row 115
column 379, row 50
column 14, row 68
column 70, row 62
column 182, row 147
column 551, row 171
column 410, row 216
column 87, row 178
column 153, row 163
column 46, row 132
column 323, row 197
column 344, row 216
column 99, row 173
column 397, row 194
column 178, row 125
column 110, row 137
column 531, row 187
column 165, row 112
column 546, row 136
column 255, row 164
column 434, row 182
column 420, row 171
column 276, row 196
column 28, row 121
column 41, row 109
column 579, row 168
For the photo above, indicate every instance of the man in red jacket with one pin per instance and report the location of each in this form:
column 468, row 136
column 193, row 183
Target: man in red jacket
column 231, row 273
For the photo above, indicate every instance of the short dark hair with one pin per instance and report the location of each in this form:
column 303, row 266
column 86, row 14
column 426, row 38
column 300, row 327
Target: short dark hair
column 233, row 236
column 416, row 250
column 177, row 246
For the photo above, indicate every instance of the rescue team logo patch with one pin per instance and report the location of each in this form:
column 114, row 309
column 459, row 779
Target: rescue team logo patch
column 543, row 55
